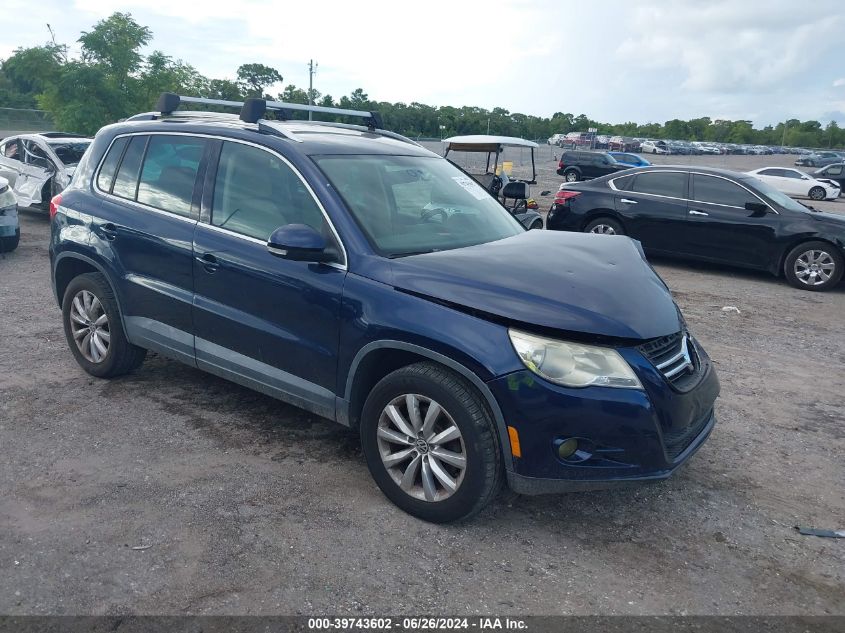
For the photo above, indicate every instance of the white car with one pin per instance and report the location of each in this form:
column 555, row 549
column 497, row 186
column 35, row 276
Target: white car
column 654, row 147
column 793, row 182
column 38, row 166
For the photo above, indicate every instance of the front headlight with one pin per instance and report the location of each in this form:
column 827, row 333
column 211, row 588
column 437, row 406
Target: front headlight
column 573, row 364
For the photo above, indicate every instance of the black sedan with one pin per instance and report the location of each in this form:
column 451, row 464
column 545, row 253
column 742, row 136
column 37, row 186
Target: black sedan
column 709, row 214
column 835, row 172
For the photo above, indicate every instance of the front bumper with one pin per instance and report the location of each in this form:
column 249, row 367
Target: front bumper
column 631, row 436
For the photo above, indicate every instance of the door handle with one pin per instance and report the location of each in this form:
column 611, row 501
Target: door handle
column 209, row 262
column 696, row 212
column 628, row 201
column 109, row 231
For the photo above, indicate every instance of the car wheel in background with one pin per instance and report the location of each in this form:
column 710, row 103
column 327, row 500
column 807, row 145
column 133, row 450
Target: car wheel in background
column 813, row 266
column 817, row 193
column 536, row 224
column 430, row 443
column 604, row 226
column 9, row 243
column 571, row 176
column 94, row 330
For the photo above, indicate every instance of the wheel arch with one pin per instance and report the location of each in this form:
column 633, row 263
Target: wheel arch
column 806, row 239
column 603, row 212
column 379, row 358
column 69, row 266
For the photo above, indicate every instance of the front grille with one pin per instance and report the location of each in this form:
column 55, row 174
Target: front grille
column 676, row 442
column 675, row 357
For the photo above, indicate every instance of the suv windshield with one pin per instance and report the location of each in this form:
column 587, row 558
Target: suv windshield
column 773, row 194
column 411, row 204
column 70, row 153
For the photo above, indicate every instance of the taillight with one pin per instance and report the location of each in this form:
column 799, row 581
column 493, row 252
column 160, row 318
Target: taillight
column 54, row 205
column 562, row 196
column 560, row 164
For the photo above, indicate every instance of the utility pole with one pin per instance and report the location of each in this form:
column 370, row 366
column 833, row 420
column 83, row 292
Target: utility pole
column 783, row 140
column 312, row 69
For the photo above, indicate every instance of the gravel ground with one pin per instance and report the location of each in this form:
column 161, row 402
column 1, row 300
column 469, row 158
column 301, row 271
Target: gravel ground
column 171, row 491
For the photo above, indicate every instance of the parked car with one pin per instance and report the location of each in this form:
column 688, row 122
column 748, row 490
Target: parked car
column 302, row 259
column 623, row 144
column 554, row 139
column 631, row 160
column 709, row 149
column 712, row 215
column 818, row 159
column 796, row 183
column 654, row 147
column 834, row 172
column 577, row 165
column 37, row 166
column 574, row 140
column 10, row 230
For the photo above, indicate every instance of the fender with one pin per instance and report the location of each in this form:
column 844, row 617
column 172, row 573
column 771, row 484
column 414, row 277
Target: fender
column 342, row 405
column 99, row 267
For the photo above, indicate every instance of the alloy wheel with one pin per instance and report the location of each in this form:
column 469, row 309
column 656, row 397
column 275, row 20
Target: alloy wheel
column 89, row 324
column 603, row 229
column 421, row 447
column 814, row 267
column 571, row 177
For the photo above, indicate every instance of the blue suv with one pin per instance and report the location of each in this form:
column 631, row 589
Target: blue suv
column 351, row 272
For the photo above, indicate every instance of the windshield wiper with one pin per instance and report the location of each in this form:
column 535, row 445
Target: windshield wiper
column 410, row 253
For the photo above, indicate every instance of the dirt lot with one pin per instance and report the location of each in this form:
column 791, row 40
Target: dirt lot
column 171, row 491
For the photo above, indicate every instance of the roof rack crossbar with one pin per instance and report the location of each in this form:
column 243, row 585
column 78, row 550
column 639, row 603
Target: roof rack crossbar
column 253, row 109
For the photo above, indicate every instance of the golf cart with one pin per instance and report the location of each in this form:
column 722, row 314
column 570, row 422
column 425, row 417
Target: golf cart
column 513, row 193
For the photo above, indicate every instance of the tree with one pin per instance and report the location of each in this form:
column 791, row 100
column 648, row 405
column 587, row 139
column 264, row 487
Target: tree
column 28, row 71
column 116, row 43
column 255, row 77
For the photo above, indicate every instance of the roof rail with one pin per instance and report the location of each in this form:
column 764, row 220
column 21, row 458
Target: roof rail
column 253, row 109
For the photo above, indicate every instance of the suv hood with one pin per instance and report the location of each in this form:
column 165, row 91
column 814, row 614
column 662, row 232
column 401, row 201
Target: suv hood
column 576, row 282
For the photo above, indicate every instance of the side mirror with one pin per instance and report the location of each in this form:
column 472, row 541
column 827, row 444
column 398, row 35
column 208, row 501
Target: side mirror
column 757, row 207
column 299, row 243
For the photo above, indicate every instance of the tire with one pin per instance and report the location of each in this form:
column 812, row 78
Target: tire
column 460, row 406
column 46, row 195
column 604, row 226
column 10, row 242
column 120, row 355
column 817, row 193
column 571, row 175
column 799, row 270
column 536, row 224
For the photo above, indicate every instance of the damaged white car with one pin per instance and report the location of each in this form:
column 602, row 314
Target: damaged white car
column 38, row 166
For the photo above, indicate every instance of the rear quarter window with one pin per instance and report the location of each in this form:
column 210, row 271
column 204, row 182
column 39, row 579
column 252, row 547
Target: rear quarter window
column 105, row 179
column 126, row 182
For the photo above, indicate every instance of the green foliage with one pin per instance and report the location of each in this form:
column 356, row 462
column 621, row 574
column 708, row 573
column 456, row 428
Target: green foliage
column 112, row 80
column 255, row 77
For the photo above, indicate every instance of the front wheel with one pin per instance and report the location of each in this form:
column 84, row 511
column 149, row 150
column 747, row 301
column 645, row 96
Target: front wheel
column 817, row 193
column 430, row 443
column 94, row 330
column 813, row 266
column 604, row 226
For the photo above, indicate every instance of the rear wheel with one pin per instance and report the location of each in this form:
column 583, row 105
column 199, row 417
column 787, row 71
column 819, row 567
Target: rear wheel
column 817, row 193
column 536, row 224
column 604, row 226
column 94, row 328
column 430, row 443
column 813, row 266
column 571, row 176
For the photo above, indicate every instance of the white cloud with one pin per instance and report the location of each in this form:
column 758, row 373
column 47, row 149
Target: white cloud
column 839, row 83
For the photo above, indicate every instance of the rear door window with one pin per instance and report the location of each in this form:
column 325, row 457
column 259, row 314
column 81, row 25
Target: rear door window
column 720, row 191
column 170, row 172
column 126, row 182
column 772, row 172
column 661, row 183
column 109, row 167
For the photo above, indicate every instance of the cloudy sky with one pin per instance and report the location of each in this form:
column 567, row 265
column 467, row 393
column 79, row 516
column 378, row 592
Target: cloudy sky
column 615, row 60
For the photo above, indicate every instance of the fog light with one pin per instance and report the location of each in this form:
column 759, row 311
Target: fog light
column 567, row 448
